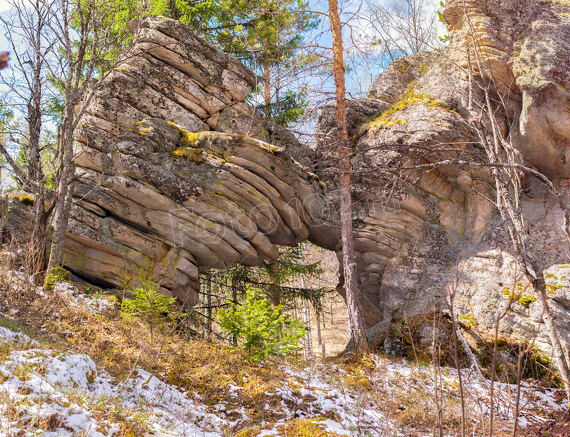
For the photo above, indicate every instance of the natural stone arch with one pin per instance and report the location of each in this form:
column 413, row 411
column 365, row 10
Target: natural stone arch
column 177, row 174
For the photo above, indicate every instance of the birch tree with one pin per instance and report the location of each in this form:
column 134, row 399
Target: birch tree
column 60, row 49
column 32, row 44
column 87, row 33
column 403, row 27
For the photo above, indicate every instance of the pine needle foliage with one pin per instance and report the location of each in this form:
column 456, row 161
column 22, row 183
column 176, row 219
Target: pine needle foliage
column 149, row 304
column 261, row 330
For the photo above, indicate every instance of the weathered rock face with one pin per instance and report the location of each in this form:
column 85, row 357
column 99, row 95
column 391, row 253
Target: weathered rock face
column 178, row 175
column 419, row 234
column 525, row 46
column 175, row 172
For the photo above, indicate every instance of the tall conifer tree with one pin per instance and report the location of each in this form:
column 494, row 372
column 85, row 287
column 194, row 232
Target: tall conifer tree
column 358, row 333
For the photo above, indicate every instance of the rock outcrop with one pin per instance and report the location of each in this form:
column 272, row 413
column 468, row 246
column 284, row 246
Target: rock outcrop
column 177, row 175
column 421, row 233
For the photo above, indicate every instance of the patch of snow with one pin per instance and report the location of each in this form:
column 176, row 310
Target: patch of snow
column 69, row 386
column 77, row 299
column 8, row 254
column 15, row 337
column 332, row 426
column 71, row 371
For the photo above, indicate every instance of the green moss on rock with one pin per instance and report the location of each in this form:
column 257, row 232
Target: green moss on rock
column 384, row 120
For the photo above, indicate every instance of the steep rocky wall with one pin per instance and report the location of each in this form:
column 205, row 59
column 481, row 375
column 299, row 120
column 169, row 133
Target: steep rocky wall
column 175, row 172
column 420, row 234
column 178, row 175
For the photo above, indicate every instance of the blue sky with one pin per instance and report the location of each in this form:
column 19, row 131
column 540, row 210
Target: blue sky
column 4, row 6
column 358, row 79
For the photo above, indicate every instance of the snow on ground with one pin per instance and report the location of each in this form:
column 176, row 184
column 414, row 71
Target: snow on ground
column 477, row 392
column 48, row 393
column 20, row 281
column 15, row 337
column 77, row 299
column 66, row 393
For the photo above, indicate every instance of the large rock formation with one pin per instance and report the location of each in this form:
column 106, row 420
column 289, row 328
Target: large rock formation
column 419, row 234
column 176, row 174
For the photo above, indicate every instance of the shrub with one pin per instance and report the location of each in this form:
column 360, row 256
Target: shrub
column 150, row 305
column 261, row 330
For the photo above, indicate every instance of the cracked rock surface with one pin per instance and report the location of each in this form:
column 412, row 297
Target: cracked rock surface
column 177, row 174
column 420, row 233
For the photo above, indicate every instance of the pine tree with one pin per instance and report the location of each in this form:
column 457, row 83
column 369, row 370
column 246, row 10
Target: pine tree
column 266, row 35
column 356, row 322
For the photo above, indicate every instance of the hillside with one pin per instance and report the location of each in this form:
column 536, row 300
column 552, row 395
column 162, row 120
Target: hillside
column 71, row 366
column 145, row 284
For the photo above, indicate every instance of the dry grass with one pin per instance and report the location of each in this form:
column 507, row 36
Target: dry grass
column 210, row 370
column 203, row 368
column 294, row 428
column 408, row 399
column 200, row 367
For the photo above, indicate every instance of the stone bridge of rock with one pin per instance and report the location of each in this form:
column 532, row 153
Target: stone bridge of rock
column 177, row 174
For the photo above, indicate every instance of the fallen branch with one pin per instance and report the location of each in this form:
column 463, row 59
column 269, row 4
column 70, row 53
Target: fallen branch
column 467, row 350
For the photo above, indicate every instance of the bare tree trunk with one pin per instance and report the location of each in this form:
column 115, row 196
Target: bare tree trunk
column 438, row 389
column 459, row 376
column 35, row 171
column 522, row 351
column 319, row 337
column 307, row 319
column 71, row 92
column 267, row 89
column 539, row 287
column 469, row 353
column 62, row 210
column 358, row 333
column 274, row 294
column 173, row 10
column 235, row 301
column 452, row 292
column 332, row 314
column 209, row 326
column 36, row 24
column 308, row 336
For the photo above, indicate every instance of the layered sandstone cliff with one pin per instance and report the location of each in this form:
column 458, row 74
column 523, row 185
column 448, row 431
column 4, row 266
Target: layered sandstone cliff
column 177, row 175
column 423, row 233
